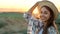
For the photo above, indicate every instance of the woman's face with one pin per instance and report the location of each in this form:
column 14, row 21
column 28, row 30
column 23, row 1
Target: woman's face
column 45, row 14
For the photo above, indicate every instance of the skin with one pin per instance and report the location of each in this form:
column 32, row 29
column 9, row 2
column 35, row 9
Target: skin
column 45, row 14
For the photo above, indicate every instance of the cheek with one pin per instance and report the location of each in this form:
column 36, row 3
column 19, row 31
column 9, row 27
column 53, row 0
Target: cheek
column 47, row 16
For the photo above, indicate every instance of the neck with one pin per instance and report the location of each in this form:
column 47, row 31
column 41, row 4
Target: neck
column 45, row 23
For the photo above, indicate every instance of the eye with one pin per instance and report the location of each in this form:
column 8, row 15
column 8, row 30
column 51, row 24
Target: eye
column 41, row 11
column 45, row 12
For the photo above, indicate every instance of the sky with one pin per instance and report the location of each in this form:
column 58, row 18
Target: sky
column 21, row 5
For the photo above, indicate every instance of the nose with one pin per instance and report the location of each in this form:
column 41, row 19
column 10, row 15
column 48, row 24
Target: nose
column 41, row 14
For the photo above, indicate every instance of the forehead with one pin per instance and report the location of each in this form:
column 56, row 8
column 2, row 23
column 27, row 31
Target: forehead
column 44, row 9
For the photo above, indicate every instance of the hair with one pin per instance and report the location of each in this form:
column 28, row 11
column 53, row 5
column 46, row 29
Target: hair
column 49, row 21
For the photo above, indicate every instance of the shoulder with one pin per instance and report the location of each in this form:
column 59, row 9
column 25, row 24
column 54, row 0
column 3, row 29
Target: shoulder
column 52, row 30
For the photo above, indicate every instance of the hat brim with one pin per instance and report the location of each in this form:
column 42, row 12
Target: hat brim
column 51, row 5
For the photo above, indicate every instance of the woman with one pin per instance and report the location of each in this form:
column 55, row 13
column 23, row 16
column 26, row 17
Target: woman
column 46, row 23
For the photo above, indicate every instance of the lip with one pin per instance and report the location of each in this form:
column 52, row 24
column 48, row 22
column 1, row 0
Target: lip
column 43, row 18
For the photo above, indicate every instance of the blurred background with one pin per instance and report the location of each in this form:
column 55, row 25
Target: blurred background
column 11, row 15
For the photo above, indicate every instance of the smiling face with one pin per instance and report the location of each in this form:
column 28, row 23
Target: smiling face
column 45, row 14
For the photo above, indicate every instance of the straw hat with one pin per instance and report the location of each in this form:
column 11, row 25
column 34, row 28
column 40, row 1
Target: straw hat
column 51, row 5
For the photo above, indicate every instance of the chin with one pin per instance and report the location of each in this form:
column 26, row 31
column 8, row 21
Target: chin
column 44, row 20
